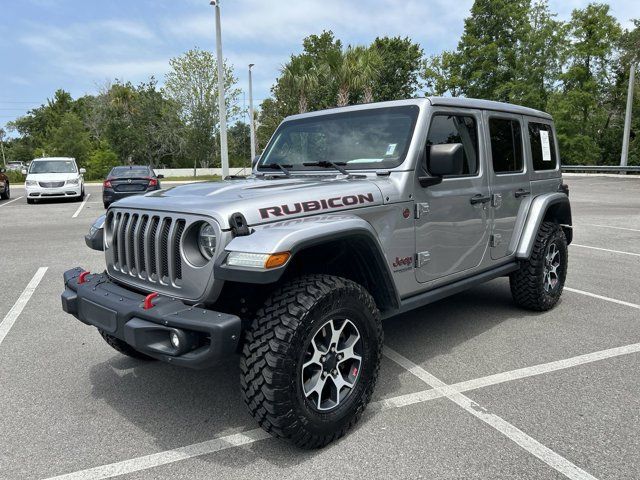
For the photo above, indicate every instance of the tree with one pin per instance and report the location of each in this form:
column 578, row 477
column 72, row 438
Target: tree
column 69, row 139
column 101, row 162
column 239, row 145
column 299, row 77
column 193, row 84
column 399, row 68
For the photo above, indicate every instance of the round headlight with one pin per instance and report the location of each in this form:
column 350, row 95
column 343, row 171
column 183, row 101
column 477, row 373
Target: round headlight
column 207, row 240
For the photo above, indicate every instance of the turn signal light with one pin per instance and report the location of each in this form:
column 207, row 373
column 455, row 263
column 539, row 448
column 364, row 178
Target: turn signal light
column 277, row 260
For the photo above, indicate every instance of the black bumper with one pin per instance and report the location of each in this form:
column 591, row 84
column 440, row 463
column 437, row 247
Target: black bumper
column 206, row 336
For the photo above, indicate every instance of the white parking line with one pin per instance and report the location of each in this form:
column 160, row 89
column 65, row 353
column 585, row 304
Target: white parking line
column 11, row 201
column 250, row 436
column 615, row 228
column 84, row 202
column 606, row 250
column 602, row 297
column 17, row 308
column 531, row 445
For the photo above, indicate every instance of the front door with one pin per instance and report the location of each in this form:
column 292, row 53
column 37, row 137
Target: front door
column 509, row 178
column 452, row 218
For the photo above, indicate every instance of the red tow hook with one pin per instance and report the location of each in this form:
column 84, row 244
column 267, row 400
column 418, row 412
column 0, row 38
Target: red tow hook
column 82, row 277
column 147, row 301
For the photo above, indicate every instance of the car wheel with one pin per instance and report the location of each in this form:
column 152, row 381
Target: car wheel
column 311, row 359
column 81, row 197
column 123, row 347
column 539, row 282
column 6, row 194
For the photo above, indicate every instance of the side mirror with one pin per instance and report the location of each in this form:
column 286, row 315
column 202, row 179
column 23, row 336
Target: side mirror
column 445, row 159
column 160, row 177
column 255, row 161
column 24, row 171
column 83, row 171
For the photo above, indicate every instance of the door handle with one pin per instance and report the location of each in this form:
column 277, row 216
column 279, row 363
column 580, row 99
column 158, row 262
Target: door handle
column 479, row 198
column 522, row 193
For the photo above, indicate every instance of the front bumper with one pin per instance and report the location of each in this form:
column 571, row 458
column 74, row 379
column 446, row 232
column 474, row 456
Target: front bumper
column 206, row 336
column 58, row 192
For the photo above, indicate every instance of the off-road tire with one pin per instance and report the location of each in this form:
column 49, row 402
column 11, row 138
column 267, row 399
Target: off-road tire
column 527, row 283
column 273, row 353
column 123, row 347
column 6, row 195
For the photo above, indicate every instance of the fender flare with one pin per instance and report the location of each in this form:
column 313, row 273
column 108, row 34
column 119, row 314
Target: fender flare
column 558, row 203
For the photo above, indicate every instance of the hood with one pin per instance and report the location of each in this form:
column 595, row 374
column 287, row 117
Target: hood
column 260, row 200
column 51, row 177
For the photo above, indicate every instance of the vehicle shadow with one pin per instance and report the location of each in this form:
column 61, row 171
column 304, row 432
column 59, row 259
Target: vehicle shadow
column 179, row 407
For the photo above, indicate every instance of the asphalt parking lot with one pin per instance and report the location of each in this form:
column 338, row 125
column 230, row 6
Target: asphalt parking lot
column 470, row 387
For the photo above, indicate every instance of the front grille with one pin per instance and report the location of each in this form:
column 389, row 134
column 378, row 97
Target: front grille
column 51, row 184
column 147, row 246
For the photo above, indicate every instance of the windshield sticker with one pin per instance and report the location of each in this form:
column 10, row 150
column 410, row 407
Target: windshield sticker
column 546, row 148
column 391, row 149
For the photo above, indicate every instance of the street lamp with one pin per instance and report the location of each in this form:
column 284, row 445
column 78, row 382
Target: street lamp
column 251, row 124
column 222, row 110
column 627, row 118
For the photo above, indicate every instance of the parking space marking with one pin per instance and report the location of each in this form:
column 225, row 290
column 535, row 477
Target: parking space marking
column 609, row 226
column 602, row 297
column 84, row 202
column 531, row 445
column 251, row 436
column 17, row 308
column 11, row 201
column 168, row 456
column 606, row 250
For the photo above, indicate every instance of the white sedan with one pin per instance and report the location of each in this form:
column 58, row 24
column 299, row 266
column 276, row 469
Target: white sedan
column 54, row 177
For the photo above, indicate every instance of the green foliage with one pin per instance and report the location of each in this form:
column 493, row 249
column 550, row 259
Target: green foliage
column 239, row 145
column 399, row 62
column 101, row 162
column 14, row 177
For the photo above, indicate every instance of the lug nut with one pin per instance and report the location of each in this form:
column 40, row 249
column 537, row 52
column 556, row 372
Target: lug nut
column 334, row 372
column 340, row 356
column 323, row 359
column 333, row 349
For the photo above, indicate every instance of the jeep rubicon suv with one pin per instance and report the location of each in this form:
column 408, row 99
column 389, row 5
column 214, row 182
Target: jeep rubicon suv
column 350, row 216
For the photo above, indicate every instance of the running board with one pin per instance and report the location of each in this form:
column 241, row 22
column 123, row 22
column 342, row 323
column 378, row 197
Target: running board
column 439, row 293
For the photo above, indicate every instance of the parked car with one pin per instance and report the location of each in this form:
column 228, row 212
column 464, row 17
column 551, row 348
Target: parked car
column 129, row 180
column 54, row 177
column 5, row 188
column 352, row 215
column 16, row 166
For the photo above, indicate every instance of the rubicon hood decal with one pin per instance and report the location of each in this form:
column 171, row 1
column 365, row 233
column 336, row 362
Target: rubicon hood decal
column 316, row 205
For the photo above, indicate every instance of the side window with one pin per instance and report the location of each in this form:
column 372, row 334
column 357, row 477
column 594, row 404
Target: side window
column 456, row 129
column 506, row 145
column 543, row 150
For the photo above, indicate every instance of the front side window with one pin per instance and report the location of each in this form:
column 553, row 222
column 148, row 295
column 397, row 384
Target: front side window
column 359, row 139
column 543, row 150
column 506, row 145
column 53, row 166
column 456, row 129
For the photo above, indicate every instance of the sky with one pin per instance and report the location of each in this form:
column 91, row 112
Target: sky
column 79, row 45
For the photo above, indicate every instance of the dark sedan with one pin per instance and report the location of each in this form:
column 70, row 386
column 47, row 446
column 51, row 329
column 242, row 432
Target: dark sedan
column 126, row 181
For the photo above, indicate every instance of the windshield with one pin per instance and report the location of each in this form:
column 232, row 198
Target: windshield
column 53, row 166
column 375, row 138
column 130, row 172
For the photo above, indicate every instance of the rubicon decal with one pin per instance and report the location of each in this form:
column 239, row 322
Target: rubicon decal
column 316, row 205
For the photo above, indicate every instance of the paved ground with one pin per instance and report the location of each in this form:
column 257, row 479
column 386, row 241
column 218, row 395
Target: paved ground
column 471, row 386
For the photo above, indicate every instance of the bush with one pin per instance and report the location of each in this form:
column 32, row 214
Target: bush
column 14, row 177
column 100, row 163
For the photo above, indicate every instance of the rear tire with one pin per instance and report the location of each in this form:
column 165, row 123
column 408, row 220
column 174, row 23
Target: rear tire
column 539, row 282
column 123, row 347
column 6, row 195
column 277, row 368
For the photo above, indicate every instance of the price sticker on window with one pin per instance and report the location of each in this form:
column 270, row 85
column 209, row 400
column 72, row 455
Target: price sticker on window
column 546, row 148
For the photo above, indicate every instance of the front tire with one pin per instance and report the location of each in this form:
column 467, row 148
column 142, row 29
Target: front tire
column 123, row 347
column 311, row 359
column 539, row 282
column 6, row 195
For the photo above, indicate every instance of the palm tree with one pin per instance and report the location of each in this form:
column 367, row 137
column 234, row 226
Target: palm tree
column 300, row 77
column 342, row 67
column 368, row 63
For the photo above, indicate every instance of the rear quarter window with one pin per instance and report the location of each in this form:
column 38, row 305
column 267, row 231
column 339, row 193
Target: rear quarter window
column 543, row 150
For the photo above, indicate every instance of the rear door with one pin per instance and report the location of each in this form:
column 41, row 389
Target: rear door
column 452, row 218
column 508, row 179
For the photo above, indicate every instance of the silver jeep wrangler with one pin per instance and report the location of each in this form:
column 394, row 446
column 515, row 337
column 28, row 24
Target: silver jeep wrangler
column 351, row 215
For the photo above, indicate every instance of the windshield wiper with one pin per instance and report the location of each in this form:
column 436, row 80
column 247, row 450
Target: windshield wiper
column 277, row 166
column 327, row 164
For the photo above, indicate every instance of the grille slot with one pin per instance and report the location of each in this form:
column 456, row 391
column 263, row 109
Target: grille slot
column 147, row 247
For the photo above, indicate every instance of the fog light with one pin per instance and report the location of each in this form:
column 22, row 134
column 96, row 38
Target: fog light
column 175, row 340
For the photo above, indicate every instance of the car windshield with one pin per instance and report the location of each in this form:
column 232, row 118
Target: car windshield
column 53, row 166
column 129, row 172
column 373, row 138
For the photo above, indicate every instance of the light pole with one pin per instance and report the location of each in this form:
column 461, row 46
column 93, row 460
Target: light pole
column 4, row 160
column 222, row 110
column 251, row 124
column 627, row 119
